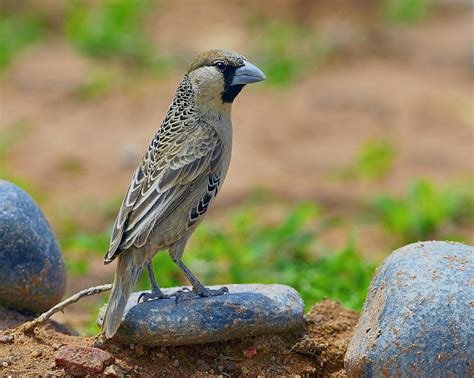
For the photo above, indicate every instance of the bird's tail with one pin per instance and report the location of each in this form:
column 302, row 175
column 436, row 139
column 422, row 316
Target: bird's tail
column 126, row 276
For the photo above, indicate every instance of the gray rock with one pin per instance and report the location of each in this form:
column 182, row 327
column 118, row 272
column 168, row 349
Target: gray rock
column 418, row 319
column 247, row 310
column 32, row 270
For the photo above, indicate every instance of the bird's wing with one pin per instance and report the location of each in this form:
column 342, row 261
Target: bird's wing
column 179, row 155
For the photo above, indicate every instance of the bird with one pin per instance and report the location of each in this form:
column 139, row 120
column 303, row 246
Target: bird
column 178, row 178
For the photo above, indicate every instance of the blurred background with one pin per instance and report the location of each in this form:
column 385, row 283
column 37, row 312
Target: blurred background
column 360, row 141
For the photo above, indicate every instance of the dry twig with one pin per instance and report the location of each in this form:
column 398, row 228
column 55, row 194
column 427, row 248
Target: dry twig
column 29, row 327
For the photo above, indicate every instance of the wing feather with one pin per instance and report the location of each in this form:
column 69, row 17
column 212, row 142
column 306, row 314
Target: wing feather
column 182, row 152
column 152, row 197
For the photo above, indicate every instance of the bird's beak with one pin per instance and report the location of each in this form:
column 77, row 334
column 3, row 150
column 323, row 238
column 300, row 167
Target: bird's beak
column 248, row 74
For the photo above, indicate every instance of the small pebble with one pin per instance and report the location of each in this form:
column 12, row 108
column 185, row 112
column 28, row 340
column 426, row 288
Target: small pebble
column 250, row 353
column 231, row 366
column 202, row 365
column 112, row 371
column 220, row 368
column 138, row 370
column 83, row 360
column 56, row 346
column 176, row 363
column 6, row 339
column 4, row 363
column 211, row 353
column 244, row 370
column 115, row 347
column 36, row 353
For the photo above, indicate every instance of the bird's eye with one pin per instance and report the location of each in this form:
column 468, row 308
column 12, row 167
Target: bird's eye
column 221, row 66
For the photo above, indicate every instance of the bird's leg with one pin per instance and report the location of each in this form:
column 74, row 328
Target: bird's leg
column 198, row 287
column 156, row 292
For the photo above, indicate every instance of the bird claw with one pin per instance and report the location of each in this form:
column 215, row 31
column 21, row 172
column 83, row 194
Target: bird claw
column 215, row 292
column 152, row 296
column 185, row 293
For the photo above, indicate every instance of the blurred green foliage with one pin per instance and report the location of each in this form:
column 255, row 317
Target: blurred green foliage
column 405, row 11
column 287, row 49
column 70, row 164
column 109, row 28
column 90, row 328
column 425, row 211
column 375, row 159
column 249, row 250
column 342, row 275
column 112, row 29
column 96, row 85
column 77, row 267
column 9, row 137
column 251, row 246
column 17, row 32
column 82, row 242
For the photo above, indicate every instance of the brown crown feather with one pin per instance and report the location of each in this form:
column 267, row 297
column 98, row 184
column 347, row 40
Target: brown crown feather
column 208, row 58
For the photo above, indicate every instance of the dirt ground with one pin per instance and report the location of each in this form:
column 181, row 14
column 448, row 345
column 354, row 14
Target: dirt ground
column 318, row 350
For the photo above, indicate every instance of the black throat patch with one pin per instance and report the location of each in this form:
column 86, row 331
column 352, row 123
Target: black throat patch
column 230, row 91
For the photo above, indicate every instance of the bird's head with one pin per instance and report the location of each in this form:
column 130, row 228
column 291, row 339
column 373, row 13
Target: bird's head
column 219, row 76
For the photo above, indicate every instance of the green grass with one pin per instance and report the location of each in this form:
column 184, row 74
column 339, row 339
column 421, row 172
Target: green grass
column 90, row 328
column 97, row 85
column 9, row 138
column 87, row 242
column 77, row 267
column 71, row 165
column 425, row 211
column 249, row 249
column 79, row 247
column 286, row 50
column 405, row 11
column 339, row 275
column 17, row 32
column 252, row 245
column 112, row 29
column 375, row 159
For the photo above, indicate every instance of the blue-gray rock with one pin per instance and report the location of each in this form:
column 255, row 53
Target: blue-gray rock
column 247, row 310
column 32, row 270
column 418, row 319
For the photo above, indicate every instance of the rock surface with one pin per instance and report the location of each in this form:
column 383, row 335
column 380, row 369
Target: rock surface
column 418, row 317
column 32, row 270
column 247, row 310
column 82, row 360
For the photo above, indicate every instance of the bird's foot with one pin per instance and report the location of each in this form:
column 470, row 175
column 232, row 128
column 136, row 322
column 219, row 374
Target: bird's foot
column 154, row 294
column 185, row 294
